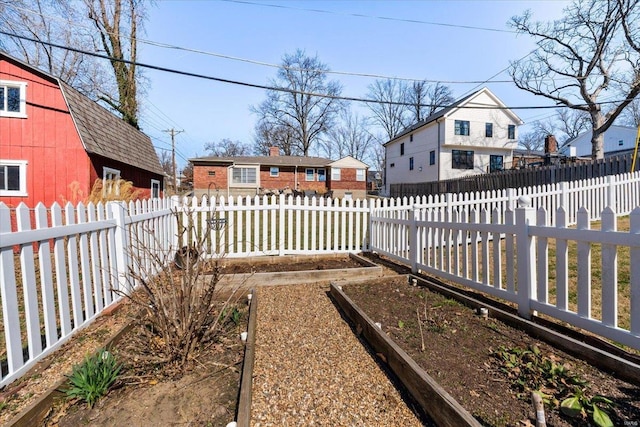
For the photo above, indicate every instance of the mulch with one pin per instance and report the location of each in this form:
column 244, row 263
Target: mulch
column 311, row 369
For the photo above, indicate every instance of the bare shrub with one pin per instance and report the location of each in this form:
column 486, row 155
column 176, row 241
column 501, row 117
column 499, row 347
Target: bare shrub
column 183, row 308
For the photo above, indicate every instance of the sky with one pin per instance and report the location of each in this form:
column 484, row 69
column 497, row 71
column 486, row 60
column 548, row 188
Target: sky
column 460, row 43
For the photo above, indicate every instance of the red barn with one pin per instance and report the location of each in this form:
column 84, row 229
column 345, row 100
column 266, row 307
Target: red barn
column 55, row 142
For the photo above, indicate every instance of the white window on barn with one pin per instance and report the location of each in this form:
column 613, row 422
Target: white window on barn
column 13, row 99
column 243, row 175
column 274, row 171
column 335, row 174
column 155, row 188
column 309, row 174
column 360, row 175
column 13, row 178
column 110, row 184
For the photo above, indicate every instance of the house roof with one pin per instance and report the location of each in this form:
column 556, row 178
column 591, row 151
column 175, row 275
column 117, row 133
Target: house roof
column 106, row 135
column 450, row 109
column 263, row 160
column 349, row 162
column 101, row 132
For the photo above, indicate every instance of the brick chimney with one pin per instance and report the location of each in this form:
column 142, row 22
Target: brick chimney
column 550, row 144
column 274, row 151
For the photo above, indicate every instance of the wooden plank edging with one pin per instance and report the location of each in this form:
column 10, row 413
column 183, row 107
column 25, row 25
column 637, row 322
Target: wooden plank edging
column 434, row 400
column 246, row 380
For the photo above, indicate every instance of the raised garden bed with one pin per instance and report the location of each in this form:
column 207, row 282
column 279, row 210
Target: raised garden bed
column 453, row 360
column 294, row 269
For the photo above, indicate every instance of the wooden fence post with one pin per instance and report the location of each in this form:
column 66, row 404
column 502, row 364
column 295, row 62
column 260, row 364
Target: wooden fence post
column 413, row 239
column 118, row 212
column 525, row 244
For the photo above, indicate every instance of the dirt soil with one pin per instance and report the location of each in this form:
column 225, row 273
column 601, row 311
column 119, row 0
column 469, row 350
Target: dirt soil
column 329, row 263
column 463, row 353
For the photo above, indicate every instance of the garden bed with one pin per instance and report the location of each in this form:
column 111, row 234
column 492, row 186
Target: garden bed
column 293, row 269
column 466, row 356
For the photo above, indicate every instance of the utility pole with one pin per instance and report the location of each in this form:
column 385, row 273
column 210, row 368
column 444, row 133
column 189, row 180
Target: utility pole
column 173, row 133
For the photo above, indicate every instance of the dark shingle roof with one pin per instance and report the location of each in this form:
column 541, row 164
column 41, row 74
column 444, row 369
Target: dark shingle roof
column 106, row 135
column 264, row 160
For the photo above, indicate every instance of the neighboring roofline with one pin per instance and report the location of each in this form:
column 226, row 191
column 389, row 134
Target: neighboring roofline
column 34, row 69
column 452, row 108
column 263, row 160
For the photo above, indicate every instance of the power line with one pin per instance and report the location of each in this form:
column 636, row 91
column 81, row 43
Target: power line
column 278, row 66
column 383, row 18
column 281, row 89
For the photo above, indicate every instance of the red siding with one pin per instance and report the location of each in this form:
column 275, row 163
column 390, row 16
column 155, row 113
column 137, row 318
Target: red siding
column 46, row 139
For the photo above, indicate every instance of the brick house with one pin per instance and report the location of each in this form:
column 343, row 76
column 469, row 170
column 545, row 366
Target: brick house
column 251, row 175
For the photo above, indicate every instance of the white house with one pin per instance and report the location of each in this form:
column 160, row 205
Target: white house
column 617, row 140
column 475, row 135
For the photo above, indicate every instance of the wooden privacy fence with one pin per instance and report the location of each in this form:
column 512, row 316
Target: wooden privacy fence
column 60, row 267
column 518, row 178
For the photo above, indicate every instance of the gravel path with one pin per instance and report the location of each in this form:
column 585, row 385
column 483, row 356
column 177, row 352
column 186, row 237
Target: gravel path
column 310, row 369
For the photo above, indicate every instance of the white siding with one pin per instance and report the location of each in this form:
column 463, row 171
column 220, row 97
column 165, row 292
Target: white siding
column 612, row 141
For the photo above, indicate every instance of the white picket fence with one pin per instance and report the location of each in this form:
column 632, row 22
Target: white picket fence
column 61, row 270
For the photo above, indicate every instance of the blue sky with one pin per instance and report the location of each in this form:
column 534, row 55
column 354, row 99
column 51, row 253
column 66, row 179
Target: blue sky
column 382, row 40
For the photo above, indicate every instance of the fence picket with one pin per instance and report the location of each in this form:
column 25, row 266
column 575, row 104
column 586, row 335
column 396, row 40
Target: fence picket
column 610, row 266
column 46, row 279
column 27, row 267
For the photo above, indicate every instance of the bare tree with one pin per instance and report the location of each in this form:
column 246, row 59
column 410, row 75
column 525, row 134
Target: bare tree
column 593, row 49
column 118, row 22
column 227, row 148
column 48, row 21
column 349, row 138
column 426, row 98
column 631, row 115
column 531, row 141
column 306, row 116
column 389, row 110
column 269, row 135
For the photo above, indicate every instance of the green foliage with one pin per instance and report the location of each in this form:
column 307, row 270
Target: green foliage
column 579, row 405
column 530, row 371
column 400, row 324
column 91, row 380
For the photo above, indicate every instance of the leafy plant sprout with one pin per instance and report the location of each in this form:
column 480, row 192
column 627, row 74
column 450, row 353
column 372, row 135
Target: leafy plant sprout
column 92, row 379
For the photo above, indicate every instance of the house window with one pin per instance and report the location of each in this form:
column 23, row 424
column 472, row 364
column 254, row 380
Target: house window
column 488, row 130
column 274, row 171
column 411, row 138
column 461, row 159
column 410, row 163
column 511, row 130
column 13, row 178
column 322, row 176
column 212, row 173
column 496, row 163
column 155, row 188
column 335, row 174
column 110, row 178
column 13, row 99
column 402, row 148
column 310, row 174
column 621, row 142
column 392, row 165
column 432, row 157
column 360, row 175
column 244, row 175
column 462, row 127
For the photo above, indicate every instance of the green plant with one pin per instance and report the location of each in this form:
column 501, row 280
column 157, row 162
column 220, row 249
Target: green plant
column 91, row 380
column 580, row 405
column 400, row 324
column 530, row 371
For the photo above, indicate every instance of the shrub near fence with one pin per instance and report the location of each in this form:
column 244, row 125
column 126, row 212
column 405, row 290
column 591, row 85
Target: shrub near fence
column 70, row 265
